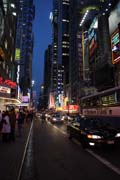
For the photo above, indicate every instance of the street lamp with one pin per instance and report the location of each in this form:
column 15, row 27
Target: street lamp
column 33, row 82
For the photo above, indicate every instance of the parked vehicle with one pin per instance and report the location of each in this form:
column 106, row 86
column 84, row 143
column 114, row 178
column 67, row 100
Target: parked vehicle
column 94, row 131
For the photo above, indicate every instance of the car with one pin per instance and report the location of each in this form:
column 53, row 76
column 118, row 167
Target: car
column 56, row 118
column 92, row 131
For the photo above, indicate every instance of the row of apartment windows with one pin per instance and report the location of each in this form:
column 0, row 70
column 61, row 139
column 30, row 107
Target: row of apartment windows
column 65, row 42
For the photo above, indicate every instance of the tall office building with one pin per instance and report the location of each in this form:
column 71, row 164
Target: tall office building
column 60, row 58
column 24, row 44
column 63, row 44
column 47, row 75
column 8, row 18
column 54, row 66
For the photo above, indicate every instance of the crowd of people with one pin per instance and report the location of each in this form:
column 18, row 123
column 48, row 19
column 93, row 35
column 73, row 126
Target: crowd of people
column 12, row 122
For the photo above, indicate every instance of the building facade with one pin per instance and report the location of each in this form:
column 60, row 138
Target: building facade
column 60, row 58
column 47, row 75
column 8, row 20
column 24, row 45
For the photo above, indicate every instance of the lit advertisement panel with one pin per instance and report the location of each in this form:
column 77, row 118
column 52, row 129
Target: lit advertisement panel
column 5, row 91
column 115, row 46
column 17, row 54
column 52, row 100
column 92, row 37
column 25, row 99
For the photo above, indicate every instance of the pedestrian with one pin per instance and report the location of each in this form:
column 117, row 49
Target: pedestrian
column 20, row 122
column 6, row 128
column 43, row 118
column 12, row 123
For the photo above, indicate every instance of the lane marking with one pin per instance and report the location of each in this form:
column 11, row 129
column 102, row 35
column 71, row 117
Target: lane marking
column 104, row 161
column 63, row 132
column 24, row 153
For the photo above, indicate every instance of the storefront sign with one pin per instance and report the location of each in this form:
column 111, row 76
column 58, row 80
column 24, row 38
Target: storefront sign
column 5, row 90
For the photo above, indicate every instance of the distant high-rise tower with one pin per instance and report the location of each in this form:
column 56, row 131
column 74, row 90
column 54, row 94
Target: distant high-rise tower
column 54, row 66
column 60, row 59
column 47, row 75
column 24, row 44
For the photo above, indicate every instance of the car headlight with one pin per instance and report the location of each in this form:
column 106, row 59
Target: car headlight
column 90, row 136
column 117, row 135
column 54, row 119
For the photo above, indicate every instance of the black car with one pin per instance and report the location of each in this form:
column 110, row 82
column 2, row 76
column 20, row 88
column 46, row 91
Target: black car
column 92, row 131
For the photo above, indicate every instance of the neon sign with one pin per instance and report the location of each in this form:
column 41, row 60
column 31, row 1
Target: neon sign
column 7, row 82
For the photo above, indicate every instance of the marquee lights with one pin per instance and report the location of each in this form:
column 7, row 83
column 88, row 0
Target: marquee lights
column 84, row 17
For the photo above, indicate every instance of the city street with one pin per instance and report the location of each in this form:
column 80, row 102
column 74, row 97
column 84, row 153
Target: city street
column 51, row 155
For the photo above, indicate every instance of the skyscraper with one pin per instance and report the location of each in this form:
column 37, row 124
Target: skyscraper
column 47, row 75
column 24, row 44
column 60, row 59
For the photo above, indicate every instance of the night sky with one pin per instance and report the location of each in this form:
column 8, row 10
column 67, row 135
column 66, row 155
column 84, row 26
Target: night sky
column 42, row 38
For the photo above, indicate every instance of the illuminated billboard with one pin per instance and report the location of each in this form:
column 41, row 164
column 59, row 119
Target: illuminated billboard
column 5, row 90
column 17, row 54
column 52, row 100
column 25, row 99
column 115, row 46
column 92, row 36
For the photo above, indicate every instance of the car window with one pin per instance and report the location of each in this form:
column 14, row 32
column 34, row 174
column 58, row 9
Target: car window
column 56, row 115
column 89, row 123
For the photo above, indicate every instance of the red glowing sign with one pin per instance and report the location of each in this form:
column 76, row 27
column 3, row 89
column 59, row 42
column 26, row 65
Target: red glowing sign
column 7, row 82
column 71, row 107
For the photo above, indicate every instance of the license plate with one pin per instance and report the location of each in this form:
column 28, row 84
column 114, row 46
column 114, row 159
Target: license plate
column 110, row 142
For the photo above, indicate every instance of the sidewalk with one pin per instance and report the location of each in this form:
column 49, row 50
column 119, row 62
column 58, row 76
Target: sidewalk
column 11, row 155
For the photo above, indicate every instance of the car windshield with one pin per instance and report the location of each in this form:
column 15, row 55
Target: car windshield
column 56, row 115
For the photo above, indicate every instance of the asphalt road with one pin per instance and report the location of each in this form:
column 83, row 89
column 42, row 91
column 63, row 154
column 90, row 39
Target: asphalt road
column 52, row 156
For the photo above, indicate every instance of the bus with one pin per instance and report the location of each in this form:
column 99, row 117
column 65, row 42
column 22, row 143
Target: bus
column 104, row 103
